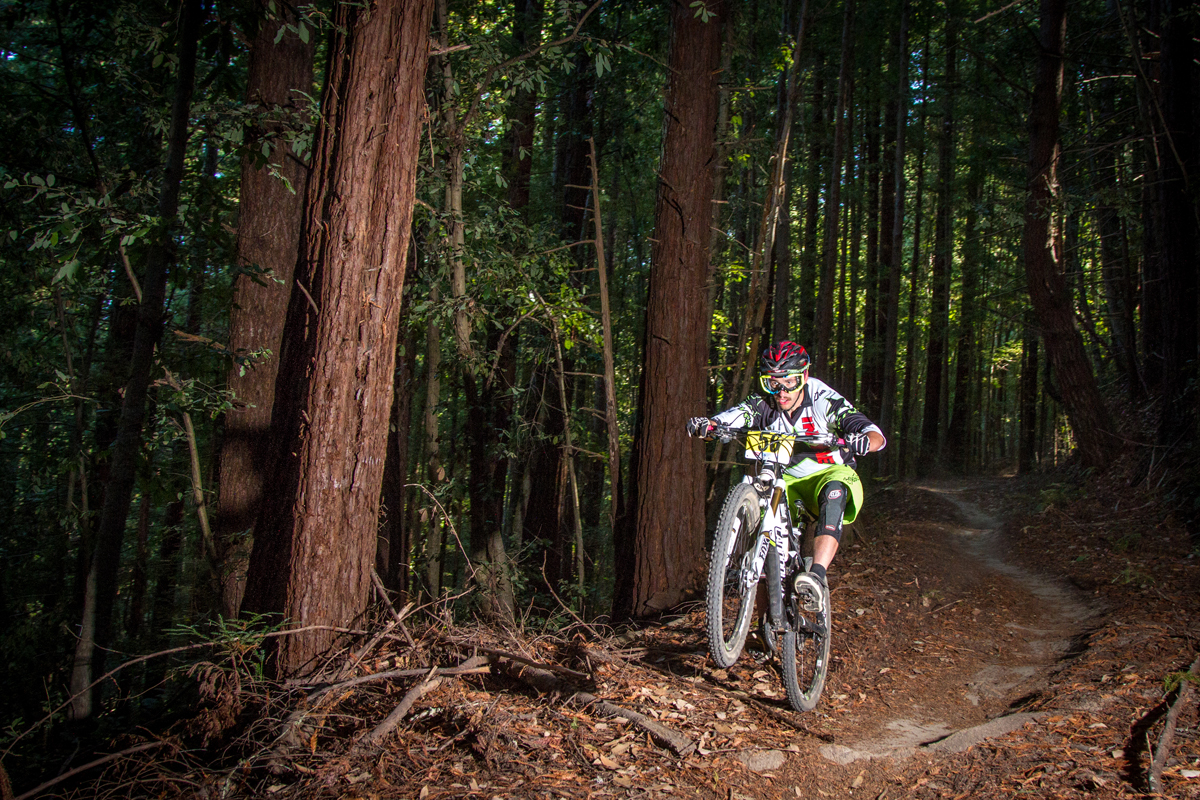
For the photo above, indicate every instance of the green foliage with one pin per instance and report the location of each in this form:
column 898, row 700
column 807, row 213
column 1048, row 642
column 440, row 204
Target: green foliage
column 1133, row 575
column 1060, row 494
column 1173, row 680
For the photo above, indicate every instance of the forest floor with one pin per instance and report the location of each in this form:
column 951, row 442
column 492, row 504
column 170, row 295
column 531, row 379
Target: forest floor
column 992, row 637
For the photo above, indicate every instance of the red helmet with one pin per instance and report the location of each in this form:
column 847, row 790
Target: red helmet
column 784, row 358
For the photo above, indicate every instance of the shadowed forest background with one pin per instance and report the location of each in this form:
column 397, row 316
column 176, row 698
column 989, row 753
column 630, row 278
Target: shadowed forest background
column 307, row 303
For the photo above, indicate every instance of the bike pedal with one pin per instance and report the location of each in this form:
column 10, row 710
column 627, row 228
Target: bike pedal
column 811, row 592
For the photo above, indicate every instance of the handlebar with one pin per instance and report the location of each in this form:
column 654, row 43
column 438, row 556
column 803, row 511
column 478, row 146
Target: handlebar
column 815, row 440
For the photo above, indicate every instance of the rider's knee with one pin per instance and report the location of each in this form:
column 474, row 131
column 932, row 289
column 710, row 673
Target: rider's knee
column 833, row 505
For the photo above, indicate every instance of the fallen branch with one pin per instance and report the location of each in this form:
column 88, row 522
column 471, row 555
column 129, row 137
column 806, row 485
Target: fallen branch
column 353, row 663
column 35, row 791
column 1168, row 734
column 504, row 654
column 398, row 616
column 546, row 682
column 381, row 731
column 394, row 673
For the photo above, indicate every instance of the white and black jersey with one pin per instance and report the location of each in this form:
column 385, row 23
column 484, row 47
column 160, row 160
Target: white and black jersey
column 821, row 410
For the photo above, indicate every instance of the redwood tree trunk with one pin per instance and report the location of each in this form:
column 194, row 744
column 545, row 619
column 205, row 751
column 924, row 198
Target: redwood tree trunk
column 1177, row 196
column 825, row 292
column 892, row 252
column 659, row 557
column 937, row 353
column 314, row 543
column 101, row 589
column 270, row 217
column 1042, row 244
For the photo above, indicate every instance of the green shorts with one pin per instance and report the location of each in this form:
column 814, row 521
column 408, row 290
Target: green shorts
column 808, row 488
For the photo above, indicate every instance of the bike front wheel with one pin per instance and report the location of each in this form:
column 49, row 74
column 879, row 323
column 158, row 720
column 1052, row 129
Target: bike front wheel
column 805, row 654
column 731, row 590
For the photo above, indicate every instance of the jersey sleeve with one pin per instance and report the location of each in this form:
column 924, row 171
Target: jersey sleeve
column 746, row 414
column 847, row 419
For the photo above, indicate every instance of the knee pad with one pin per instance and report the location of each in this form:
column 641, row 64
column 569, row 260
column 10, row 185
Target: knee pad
column 833, row 505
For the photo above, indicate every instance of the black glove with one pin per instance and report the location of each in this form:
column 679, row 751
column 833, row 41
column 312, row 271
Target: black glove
column 699, row 426
column 859, row 443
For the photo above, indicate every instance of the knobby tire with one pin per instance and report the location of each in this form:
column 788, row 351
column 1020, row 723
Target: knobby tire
column 729, row 602
column 805, row 656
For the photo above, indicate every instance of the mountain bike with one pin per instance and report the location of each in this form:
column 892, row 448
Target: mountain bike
column 755, row 540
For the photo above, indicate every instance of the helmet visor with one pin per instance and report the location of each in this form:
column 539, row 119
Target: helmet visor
column 773, row 384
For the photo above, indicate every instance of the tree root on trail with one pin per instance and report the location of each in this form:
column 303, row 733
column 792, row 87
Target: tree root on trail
column 1164, row 741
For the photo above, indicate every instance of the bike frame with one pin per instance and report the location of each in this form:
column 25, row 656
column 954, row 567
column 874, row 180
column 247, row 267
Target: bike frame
column 774, row 533
column 775, row 526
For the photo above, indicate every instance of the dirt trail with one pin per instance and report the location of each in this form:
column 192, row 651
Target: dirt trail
column 941, row 638
column 973, row 691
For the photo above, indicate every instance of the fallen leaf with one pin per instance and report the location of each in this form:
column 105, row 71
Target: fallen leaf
column 858, row 781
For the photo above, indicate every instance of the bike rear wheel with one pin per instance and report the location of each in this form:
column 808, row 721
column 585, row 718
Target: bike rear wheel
column 805, row 657
column 730, row 595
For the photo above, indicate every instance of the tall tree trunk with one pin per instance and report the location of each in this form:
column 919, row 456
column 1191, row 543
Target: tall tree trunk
column 102, row 577
column 827, row 289
column 395, row 532
column 892, row 251
column 806, row 323
column 1027, row 396
column 1114, row 264
column 486, row 488
column 1155, row 303
column 1178, row 197
column 958, row 433
column 874, row 304
column 1042, row 244
column 270, row 217
column 937, row 353
column 660, row 557
column 908, row 418
column 314, row 543
column 434, row 473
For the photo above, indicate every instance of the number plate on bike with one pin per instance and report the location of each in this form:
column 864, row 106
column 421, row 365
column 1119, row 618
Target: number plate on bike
column 767, row 446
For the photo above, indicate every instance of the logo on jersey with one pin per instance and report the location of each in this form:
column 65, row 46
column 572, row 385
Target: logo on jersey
column 806, row 422
column 834, row 494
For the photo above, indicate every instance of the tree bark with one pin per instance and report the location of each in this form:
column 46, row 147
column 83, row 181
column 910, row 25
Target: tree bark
column 892, row 249
column 661, row 556
column 908, row 417
column 102, row 578
column 806, row 323
column 1177, row 197
column 270, row 217
column 395, row 532
column 937, row 352
column 1027, row 396
column 1042, row 245
column 315, row 539
column 826, row 290
column 963, row 410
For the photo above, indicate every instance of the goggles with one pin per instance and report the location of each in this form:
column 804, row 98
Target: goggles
column 788, row 383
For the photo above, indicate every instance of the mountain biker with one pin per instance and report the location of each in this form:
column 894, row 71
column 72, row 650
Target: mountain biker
column 796, row 403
